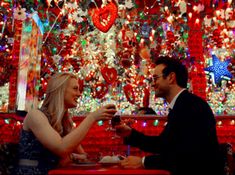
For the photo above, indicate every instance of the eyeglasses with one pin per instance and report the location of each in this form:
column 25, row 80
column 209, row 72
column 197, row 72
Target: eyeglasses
column 155, row 78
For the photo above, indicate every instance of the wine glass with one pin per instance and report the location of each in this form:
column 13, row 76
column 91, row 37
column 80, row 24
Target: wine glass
column 116, row 120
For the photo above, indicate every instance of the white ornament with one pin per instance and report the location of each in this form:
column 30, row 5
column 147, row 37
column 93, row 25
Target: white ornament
column 129, row 4
column 183, row 7
column 19, row 13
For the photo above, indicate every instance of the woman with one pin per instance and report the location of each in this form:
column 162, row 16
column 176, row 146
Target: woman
column 47, row 138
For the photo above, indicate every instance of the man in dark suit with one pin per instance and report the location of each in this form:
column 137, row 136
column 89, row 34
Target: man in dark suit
column 188, row 144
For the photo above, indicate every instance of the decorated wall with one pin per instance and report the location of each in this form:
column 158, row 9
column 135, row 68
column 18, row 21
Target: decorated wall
column 110, row 45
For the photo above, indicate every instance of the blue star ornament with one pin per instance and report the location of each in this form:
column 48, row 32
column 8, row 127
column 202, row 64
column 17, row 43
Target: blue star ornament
column 219, row 69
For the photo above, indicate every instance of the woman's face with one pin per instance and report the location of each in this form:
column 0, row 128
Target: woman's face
column 71, row 93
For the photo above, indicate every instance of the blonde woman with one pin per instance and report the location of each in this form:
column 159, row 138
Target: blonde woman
column 48, row 137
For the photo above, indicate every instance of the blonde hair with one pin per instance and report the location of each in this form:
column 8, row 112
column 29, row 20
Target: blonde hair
column 53, row 104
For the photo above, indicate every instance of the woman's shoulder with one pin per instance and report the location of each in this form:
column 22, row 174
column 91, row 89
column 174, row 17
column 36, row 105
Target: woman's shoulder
column 34, row 118
column 35, row 114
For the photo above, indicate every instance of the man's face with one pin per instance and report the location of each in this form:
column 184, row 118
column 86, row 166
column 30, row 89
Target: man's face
column 159, row 84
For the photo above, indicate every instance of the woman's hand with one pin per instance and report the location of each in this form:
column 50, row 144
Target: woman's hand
column 105, row 112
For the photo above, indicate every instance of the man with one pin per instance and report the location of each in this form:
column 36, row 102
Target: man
column 188, row 144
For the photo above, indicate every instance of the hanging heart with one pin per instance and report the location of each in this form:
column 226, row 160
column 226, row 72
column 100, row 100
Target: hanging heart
column 100, row 90
column 109, row 74
column 103, row 18
column 129, row 92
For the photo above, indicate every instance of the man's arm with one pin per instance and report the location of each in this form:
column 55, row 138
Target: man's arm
column 146, row 143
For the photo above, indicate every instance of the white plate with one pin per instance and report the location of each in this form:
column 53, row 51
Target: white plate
column 84, row 164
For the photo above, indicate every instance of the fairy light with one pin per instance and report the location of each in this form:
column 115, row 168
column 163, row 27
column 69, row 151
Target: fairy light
column 197, row 21
column 100, row 123
column 18, row 123
column 232, row 122
column 155, row 123
column 217, row 12
column 170, row 19
column 219, row 123
column 195, row 8
column 144, row 124
column 7, row 121
column 142, row 40
column 222, row 24
column 190, row 15
column 214, row 19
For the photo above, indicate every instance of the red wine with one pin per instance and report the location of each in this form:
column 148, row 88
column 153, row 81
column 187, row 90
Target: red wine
column 115, row 120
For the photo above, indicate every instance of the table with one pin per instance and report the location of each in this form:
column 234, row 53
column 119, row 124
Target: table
column 103, row 170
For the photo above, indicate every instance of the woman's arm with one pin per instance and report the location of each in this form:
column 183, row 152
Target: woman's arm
column 38, row 123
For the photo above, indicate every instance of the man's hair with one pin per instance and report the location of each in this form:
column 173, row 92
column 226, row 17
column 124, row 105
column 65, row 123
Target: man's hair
column 174, row 65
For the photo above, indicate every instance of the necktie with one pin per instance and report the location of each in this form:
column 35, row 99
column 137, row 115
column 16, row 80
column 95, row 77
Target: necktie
column 169, row 111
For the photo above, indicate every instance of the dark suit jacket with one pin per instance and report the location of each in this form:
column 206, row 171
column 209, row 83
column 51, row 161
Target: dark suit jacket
column 188, row 144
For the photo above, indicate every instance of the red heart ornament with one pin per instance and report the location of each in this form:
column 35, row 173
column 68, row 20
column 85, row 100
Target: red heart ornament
column 109, row 74
column 100, row 19
column 100, row 90
column 104, row 16
column 129, row 92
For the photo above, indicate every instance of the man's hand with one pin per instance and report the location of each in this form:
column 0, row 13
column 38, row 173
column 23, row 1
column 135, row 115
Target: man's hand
column 132, row 162
column 123, row 130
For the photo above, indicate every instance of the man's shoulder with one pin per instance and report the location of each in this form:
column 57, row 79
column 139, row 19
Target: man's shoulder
column 192, row 96
column 188, row 99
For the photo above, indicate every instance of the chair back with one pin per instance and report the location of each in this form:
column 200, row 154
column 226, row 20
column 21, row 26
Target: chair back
column 227, row 152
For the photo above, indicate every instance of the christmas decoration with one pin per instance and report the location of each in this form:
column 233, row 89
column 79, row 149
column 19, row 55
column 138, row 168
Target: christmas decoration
column 219, row 69
column 138, row 32
column 103, row 18
column 6, row 69
column 100, row 90
column 129, row 92
column 109, row 74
